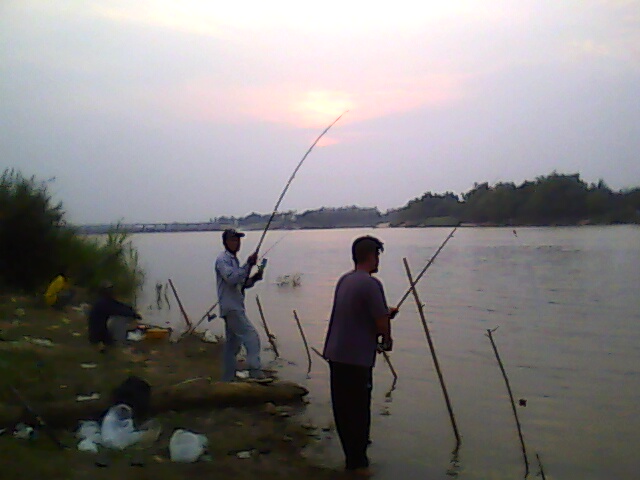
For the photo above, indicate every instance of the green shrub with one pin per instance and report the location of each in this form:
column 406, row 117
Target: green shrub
column 37, row 244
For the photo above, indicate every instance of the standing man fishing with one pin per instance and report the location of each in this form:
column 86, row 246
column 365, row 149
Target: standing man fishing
column 232, row 280
column 359, row 326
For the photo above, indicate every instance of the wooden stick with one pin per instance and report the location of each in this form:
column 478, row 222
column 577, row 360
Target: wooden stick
column 266, row 328
column 184, row 314
column 513, row 404
column 207, row 316
column 387, row 359
column 317, row 352
column 166, row 297
column 304, row 339
column 47, row 429
column 540, row 462
column 433, row 351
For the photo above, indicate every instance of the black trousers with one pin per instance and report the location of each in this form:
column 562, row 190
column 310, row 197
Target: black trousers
column 351, row 399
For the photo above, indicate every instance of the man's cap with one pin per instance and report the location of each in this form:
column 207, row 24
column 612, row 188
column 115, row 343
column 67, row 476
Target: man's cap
column 231, row 232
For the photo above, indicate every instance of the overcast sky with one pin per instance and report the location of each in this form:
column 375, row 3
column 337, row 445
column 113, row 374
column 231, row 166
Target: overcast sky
column 186, row 110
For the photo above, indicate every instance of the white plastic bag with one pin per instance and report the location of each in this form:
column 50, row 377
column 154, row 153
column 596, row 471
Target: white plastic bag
column 89, row 435
column 186, row 446
column 88, row 445
column 209, row 337
column 117, row 428
column 90, row 430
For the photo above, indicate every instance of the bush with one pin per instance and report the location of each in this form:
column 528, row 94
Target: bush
column 37, row 244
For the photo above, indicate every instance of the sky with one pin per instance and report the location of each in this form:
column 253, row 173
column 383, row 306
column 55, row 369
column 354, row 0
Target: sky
column 158, row 111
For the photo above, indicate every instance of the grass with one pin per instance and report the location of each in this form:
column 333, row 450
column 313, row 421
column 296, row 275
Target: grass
column 45, row 374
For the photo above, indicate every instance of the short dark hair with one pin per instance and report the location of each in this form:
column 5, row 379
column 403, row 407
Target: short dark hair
column 363, row 247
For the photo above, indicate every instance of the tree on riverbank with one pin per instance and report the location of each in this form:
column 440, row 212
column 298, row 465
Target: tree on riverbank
column 556, row 199
column 37, row 243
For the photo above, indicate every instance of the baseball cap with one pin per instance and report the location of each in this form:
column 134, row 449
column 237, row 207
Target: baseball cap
column 231, row 232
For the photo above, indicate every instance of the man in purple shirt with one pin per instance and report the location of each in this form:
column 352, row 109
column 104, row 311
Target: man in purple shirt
column 359, row 326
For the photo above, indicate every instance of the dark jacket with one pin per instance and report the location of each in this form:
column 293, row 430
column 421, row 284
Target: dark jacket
column 104, row 308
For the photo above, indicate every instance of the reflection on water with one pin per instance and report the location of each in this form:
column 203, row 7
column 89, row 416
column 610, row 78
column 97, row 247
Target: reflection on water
column 566, row 301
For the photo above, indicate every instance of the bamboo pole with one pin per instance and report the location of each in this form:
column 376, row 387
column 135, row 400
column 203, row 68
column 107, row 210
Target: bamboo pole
column 433, row 352
column 387, row 359
column 184, row 314
column 513, row 404
column 304, row 339
column 270, row 337
column 540, row 463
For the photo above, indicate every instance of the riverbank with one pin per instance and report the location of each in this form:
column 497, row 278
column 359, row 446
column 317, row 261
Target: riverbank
column 45, row 355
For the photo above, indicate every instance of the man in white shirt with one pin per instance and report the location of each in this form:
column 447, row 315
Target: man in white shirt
column 232, row 280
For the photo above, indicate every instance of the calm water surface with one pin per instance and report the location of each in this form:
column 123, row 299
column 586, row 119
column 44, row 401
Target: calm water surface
column 567, row 304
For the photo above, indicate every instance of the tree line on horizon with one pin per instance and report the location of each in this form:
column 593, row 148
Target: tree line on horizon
column 554, row 199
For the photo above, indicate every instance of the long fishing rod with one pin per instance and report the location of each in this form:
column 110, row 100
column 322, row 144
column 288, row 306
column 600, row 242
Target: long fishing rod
column 273, row 246
column 286, row 187
column 424, row 270
column 208, row 315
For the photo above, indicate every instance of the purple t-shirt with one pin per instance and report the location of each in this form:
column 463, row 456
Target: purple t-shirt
column 352, row 338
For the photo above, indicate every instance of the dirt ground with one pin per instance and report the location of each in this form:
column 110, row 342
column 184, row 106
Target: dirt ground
column 72, row 367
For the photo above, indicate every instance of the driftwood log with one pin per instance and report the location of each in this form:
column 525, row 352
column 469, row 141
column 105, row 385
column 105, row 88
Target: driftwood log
column 187, row 396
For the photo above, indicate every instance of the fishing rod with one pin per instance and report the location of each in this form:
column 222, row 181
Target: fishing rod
column 41, row 423
column 208, row 314
column 424, row 270
column 286, row 187
column 385, row 354
column 273, row 246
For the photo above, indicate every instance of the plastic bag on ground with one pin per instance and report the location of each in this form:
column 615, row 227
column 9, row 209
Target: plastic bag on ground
column 88, row 445
column 89, row 430
column 89, row 434
column 209, row 337
column 117, row 428
column 186, row 446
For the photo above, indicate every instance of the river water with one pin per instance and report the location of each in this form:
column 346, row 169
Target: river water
column 567, row 304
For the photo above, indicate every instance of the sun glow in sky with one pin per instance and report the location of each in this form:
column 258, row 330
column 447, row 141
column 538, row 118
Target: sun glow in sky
column 121, row 99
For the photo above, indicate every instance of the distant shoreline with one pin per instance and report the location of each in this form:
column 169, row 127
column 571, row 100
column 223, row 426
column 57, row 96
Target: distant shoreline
column 190, row 228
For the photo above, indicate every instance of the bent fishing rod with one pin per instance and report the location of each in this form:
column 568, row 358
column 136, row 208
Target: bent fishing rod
column 288, row 184
column 208, row 315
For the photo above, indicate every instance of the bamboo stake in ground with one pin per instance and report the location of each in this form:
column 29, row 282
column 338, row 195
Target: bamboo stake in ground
column 433, row 352
column 184, row 314
column 304, row 339
column 540, row 463
column 270, row 337
column 513, row 404
column 387, row 359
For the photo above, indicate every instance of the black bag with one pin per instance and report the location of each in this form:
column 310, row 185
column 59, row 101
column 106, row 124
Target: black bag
column 136, row 393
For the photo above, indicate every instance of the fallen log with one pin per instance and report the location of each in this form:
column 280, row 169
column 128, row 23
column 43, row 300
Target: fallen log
column 182, row 397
